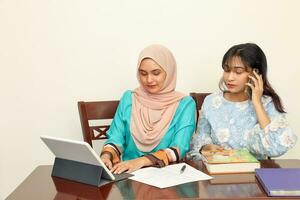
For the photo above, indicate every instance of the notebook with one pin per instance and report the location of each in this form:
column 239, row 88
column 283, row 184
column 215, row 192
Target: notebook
column 279, row 181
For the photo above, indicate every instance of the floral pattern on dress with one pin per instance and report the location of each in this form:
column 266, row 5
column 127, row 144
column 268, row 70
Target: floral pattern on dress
column 223, row 135
column 235, row 125
column 216, row 102
column 277, row 123
column 242, row 106
column 266, row 141
column 286, row 139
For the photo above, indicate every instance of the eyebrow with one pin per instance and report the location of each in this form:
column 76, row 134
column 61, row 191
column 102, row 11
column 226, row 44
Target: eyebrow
column 150, row 71
column 243, row 67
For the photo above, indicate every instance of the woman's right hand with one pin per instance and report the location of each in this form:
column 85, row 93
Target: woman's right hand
column 106, row 160
column 210, row 149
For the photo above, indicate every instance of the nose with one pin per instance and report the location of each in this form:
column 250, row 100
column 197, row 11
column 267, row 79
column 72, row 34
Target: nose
column 149, row 78
column 231, row 76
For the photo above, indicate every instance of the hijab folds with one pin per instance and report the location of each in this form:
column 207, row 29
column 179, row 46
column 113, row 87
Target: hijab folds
column 152, row 113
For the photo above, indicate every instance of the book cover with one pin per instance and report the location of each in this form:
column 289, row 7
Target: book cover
column 230, row 156
column 279, row 181
column 230, row 161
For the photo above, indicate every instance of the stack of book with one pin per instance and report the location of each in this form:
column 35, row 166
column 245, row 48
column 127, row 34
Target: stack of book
column 230, row 161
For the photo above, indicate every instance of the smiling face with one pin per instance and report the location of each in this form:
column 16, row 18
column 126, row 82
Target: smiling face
column 235, row 75
column 151, row 75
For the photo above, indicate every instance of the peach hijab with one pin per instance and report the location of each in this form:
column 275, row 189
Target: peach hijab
column 152, row 113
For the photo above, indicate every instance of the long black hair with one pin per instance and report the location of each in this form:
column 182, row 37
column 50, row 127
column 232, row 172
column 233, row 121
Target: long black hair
column 253, row 56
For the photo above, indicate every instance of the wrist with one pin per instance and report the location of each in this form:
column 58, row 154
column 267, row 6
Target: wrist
column 258, row 107
column 256, row 102
column 145, row 161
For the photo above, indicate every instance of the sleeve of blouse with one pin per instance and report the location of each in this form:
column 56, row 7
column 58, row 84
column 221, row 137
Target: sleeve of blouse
column 202, row 135
column 275, row 139
column 185, row 128
column 116, row 132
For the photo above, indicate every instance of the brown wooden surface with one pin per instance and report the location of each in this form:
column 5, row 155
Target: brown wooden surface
column 40, row 185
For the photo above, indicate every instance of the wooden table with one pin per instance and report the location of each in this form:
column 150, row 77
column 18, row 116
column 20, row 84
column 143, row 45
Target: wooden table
column 40, row 185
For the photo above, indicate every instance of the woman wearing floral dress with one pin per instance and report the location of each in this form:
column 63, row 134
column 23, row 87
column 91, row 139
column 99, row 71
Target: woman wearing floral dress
column 247, row 113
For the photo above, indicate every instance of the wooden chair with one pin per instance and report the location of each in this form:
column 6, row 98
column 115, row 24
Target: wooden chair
column 97, row 110
column 198, row 98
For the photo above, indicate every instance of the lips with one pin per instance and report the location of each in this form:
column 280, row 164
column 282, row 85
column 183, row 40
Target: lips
column 151, row 86
column 230, row 85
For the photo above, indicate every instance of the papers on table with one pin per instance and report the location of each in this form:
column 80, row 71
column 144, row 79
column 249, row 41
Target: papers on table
column 168, row 176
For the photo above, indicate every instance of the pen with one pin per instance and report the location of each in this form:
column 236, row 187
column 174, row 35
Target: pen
column 182, row 169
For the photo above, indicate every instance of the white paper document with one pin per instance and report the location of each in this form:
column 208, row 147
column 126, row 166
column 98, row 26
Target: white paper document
column 168, row 176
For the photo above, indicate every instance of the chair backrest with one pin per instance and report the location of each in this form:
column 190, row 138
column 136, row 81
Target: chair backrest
column 97, row 110
column 198, row 98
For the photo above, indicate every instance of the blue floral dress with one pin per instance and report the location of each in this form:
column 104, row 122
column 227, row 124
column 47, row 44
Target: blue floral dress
column 234, row 125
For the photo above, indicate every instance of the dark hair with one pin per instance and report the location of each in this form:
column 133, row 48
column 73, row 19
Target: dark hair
column 253, row 56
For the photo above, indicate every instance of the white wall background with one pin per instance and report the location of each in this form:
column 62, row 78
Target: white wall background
column 54, row 53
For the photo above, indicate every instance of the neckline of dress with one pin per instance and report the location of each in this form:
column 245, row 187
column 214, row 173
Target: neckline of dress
column 232, row 102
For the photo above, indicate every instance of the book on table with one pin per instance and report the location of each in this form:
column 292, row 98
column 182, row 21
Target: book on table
column 230, row 161
column 279, row 181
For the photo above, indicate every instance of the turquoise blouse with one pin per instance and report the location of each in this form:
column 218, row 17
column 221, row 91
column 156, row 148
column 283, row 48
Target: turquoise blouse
column 178, row 135
column 234, row 125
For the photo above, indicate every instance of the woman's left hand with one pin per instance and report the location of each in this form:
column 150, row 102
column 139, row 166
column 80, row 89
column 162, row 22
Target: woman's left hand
column 130, row 165
column 257, row 91
column 257, row 88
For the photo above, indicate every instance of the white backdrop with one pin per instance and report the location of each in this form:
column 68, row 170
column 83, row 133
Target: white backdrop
column 55, row 53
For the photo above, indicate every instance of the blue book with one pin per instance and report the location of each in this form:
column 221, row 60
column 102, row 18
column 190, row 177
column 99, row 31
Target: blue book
column 279, row 181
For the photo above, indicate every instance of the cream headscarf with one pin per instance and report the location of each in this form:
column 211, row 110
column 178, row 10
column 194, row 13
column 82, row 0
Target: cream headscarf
column 152, row 113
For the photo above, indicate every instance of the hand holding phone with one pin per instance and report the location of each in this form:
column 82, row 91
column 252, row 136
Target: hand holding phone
column 248, row 90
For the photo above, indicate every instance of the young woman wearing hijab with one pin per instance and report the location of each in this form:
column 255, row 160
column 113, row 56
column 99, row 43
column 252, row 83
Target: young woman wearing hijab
column 153, row 124
column 247, row 112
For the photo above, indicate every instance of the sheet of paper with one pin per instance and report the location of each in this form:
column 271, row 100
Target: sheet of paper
column 169, row 176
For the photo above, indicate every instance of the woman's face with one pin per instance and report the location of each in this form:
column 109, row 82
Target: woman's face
column 235, row 75
column 151, row 75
